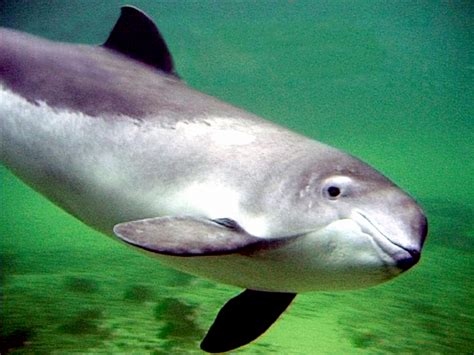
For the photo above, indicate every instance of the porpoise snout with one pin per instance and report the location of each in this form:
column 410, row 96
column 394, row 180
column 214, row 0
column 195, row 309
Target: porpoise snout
column 420, row 231
column 407, row 261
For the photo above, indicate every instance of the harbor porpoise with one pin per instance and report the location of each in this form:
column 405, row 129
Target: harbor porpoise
column 112, row 135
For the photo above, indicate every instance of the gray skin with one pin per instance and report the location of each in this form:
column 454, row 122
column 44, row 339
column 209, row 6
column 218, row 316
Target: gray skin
column 129, row 142
column 113, row 136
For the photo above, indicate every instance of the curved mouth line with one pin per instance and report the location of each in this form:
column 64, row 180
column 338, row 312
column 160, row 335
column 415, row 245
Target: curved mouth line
column 372, row 230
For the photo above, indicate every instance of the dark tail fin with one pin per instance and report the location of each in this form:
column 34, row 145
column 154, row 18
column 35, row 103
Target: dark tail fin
column 244, row 318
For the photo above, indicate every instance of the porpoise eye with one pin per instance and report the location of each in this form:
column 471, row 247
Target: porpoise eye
column 334, row 191
column 336, row 187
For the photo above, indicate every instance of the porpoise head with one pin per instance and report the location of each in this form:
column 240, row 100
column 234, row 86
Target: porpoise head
column 355, row 222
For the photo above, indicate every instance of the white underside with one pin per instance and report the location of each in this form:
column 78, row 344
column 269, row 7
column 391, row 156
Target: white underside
column 325, row 260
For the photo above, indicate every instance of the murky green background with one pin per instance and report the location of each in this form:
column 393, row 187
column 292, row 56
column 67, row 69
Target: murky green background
column 390, row 82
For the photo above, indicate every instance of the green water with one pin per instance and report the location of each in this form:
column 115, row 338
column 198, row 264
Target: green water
column 390, row 82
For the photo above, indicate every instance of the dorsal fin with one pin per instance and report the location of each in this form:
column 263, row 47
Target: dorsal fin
column 136, row 35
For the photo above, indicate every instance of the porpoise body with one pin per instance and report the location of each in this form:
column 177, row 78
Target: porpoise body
column 112, row 135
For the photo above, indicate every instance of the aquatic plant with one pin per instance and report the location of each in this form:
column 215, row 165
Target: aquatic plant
column 15, row 339
column 180, row 328
column 81, row 284
column 84, row 322
column 138, row 293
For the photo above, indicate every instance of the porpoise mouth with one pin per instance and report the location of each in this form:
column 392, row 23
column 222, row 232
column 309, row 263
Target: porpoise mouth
column 404, row 258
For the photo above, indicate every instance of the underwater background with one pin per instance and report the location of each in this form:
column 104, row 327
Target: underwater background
column 389, row 82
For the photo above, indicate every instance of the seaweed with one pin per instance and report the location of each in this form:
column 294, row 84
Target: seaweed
column 16, row 339
column 180, row 327
column 364, row 339
column 139, row 294
column 84, row 322
column 81, row 285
